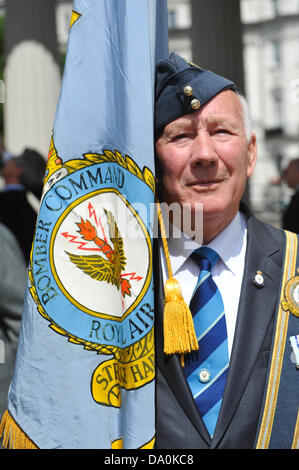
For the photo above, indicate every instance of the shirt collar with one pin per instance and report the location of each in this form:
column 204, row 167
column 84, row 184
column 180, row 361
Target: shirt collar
column 228, row 244
column 231, row 242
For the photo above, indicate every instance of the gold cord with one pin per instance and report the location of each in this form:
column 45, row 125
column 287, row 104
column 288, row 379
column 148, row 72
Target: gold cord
column 179, row 334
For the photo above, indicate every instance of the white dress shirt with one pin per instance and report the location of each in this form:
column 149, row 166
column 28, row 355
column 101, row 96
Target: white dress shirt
column 230, row 245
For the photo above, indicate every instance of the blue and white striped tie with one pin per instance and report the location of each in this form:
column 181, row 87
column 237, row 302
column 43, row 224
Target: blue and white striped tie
column 206, row 370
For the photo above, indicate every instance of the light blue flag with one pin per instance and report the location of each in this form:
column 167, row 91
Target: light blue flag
column 84, row 375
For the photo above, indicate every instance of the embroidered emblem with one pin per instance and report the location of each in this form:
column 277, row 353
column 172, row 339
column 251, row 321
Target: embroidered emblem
column 291, row 296
column 97, row 267
column 91, row 265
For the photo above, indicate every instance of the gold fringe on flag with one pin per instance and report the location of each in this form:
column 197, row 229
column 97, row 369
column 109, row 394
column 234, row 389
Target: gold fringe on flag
column 13, row 436
column 179, row 334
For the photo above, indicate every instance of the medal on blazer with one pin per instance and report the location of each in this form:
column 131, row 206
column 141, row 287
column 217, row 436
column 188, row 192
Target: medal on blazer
column 291, row 296
column 259, row 279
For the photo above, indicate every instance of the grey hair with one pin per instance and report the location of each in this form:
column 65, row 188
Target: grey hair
column 246, row 116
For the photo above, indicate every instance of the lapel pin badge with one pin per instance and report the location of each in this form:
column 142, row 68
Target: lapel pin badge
column 259, row 279
column 295, row 347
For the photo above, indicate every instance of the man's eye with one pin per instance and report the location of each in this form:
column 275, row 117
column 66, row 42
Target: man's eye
column 180, row 136
column 222, row 131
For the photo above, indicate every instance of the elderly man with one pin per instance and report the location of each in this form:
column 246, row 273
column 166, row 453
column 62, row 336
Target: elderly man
column 205, row 153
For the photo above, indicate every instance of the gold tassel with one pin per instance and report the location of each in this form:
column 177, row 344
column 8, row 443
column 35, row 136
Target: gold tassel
column 13, row 436
column 179, row 334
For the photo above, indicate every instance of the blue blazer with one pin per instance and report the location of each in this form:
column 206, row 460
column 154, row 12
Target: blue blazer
column 178, row 423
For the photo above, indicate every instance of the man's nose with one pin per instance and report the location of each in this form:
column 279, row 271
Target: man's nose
column 203, row 151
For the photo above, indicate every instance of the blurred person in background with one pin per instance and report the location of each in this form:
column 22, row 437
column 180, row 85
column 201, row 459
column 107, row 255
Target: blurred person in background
column 12, row 291
column 19, row 199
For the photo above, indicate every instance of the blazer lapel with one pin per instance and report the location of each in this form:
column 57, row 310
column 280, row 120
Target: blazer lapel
column 256, row 308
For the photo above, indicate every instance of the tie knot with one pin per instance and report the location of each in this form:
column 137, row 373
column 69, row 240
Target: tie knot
column 205, row 257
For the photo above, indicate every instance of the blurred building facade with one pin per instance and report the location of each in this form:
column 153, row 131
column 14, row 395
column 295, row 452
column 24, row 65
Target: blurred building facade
column 271, row 58
column 270, row 38
column 32, row 74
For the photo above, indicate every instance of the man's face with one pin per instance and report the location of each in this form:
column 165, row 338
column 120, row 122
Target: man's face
column 11, row 171
column 204, row 157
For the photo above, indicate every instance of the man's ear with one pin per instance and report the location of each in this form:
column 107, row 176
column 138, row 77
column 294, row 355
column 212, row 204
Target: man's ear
column 252, row 155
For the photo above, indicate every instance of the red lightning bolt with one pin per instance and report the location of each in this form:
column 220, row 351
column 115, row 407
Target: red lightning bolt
column 92, row 213
column 73, row 238
column 133, row 276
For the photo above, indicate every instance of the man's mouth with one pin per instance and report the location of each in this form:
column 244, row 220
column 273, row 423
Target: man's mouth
column 206, row 183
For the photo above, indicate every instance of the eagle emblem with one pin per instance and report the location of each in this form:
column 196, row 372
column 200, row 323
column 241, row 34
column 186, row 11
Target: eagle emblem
column 107, row 268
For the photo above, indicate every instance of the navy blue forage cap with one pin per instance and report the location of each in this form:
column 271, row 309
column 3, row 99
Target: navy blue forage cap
column 183, row 87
